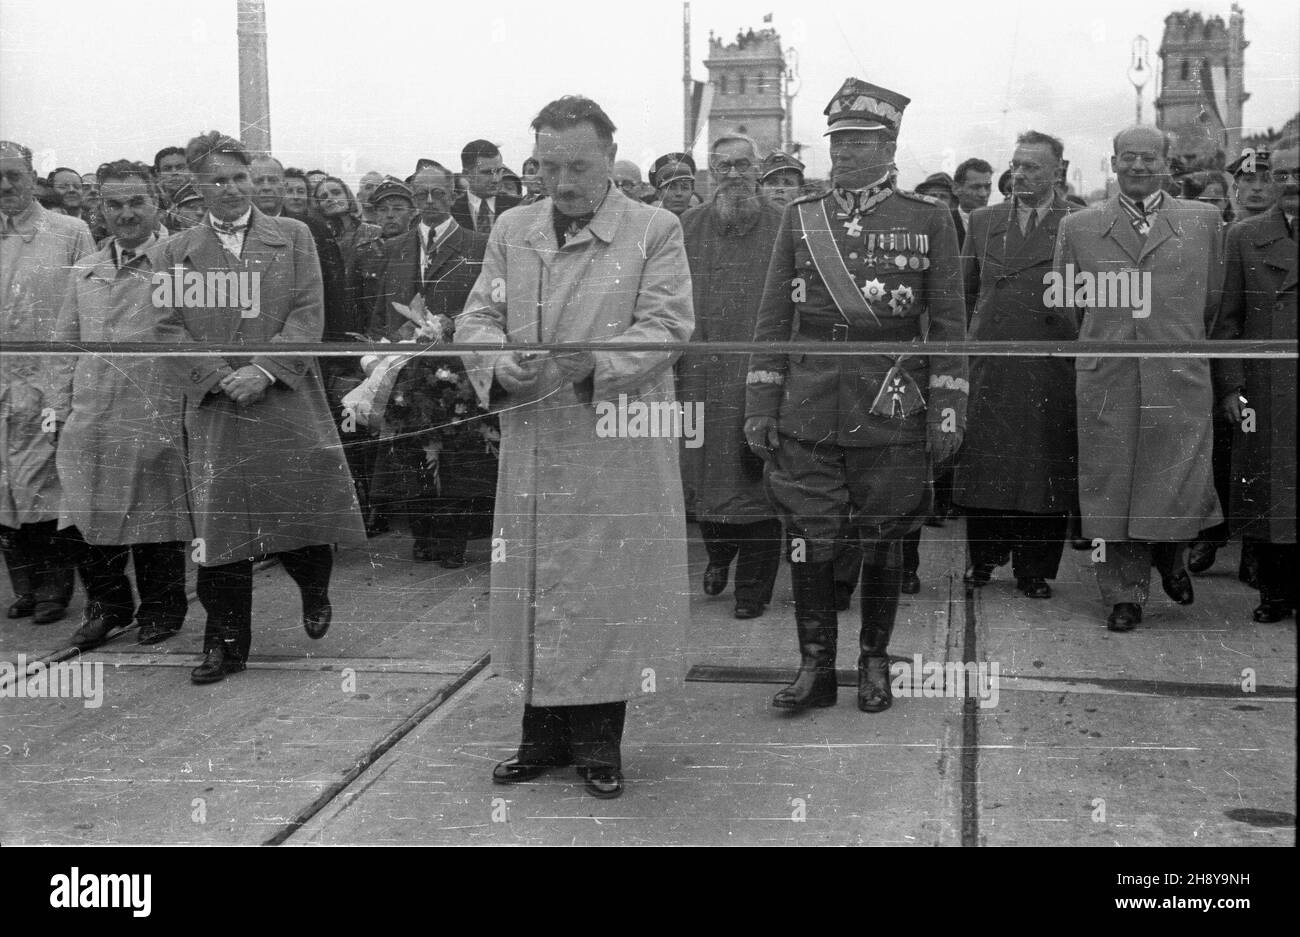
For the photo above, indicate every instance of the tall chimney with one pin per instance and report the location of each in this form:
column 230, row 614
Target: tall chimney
column 254, row 96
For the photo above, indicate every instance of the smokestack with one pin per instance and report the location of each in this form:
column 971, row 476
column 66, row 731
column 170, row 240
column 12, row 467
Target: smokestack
column 254, row 95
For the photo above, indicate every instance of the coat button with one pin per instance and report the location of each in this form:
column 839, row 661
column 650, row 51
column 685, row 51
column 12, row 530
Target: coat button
column 194, row 375
column 853, row 255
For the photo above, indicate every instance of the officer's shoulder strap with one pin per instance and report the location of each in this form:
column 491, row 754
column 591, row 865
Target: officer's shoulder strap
column 918, row 197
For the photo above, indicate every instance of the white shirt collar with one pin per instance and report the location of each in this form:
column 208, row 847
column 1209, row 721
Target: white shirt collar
column 438, row 233
column 1041, row 209
column 474, row 202
column 139, row 249
column 964, row 216
column 244, row 219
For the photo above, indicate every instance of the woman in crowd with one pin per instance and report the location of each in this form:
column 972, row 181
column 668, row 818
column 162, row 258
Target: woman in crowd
column 340, row 210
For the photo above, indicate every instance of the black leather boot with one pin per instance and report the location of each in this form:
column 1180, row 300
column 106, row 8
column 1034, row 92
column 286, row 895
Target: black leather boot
column 814, row 616
column 880, row 588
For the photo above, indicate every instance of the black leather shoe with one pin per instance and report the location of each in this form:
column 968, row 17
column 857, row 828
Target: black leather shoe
column 452, row 561
column 422, row 553
column 715, row 579
column 748, row 610
column 1124, row 617
column 978, row 574
column 1034, row 587
column 1200, row 556
column 605, row 783
column 1080, row 543
column 216, row 665
column 93, row 632
column 874, row 695
column 1270, row 611
column 1178, row 587
column 23, row 606
column 911, row 584
column 316, row 619
column 152, row 632
column 46, row 613
column 513, row 771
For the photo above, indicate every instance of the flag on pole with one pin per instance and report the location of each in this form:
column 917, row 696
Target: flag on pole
column 767, row 18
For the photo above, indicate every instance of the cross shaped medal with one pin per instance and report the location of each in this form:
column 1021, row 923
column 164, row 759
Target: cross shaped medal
column 853, row 226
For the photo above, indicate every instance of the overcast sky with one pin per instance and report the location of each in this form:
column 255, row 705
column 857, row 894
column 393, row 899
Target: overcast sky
column 374, row 85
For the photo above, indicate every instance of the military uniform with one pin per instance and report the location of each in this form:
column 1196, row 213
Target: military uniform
column 853, row 430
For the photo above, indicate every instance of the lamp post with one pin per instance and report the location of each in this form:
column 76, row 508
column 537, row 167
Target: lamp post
column 1139, row 70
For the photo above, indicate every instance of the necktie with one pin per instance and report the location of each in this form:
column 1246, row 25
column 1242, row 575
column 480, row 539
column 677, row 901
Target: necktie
column 1032, row 224
column 128, row 255
column 430, row 247
column 484, row 222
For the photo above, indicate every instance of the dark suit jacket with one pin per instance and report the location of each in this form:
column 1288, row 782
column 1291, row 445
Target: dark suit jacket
column 394, row 276
column 460, row 208
column 961, row 229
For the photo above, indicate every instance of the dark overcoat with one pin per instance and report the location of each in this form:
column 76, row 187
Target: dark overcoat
column 1259, row 302
column 1019, row 453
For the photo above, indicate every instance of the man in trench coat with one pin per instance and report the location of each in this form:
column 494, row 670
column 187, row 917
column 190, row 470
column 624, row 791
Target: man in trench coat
column 266, row 468
column 588, row 581
column 1016, row 469
column 121, row 456
column 1258, row 396
column 38, row 249
column 1145, row 481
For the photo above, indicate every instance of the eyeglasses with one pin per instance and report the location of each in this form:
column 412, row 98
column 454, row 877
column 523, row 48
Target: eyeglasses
column 423, row 195
column 723, row 166
column 1129, row 158
column 627, row 185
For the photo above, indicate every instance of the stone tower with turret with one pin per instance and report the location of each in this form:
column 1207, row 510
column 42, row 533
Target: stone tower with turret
column 747, row 78
column 1201, row 89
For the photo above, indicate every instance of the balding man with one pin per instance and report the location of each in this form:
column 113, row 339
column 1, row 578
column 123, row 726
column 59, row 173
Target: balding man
column 627, row 176
column 1142, row 266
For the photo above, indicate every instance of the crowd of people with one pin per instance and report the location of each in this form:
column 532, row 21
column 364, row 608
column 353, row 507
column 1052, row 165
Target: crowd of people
column 833, row 462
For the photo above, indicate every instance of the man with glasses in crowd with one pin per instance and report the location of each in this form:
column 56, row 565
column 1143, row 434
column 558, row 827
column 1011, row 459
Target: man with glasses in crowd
column 1145, row 440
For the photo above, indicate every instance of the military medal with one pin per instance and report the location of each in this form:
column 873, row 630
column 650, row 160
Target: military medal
column 853, row 226
column 914, row 262
column 900, row 262
column 873, row 290
column 900, row 299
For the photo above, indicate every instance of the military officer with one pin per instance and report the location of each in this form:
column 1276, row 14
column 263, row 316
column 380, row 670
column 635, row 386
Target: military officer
column 850, row 439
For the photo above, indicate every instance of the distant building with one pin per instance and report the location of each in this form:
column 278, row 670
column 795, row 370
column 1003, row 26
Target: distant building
column 746, row 76
column 1201, row 90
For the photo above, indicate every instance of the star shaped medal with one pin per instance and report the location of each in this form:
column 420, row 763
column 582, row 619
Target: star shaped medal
column 874, row 291
column 900, row 299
